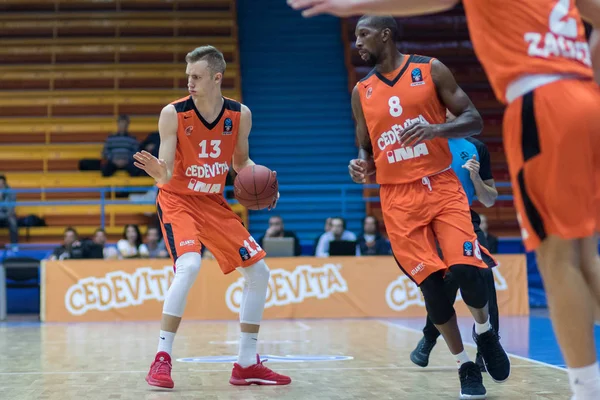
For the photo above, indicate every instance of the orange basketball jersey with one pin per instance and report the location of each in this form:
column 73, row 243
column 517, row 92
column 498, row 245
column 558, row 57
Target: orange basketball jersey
column 393, row 102
column 513, row 38
column 204, row 151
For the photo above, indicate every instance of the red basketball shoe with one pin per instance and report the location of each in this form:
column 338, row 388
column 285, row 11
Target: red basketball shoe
column 160, row 371
column 257, row 374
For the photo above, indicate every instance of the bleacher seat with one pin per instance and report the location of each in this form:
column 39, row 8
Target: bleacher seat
column 68, row 68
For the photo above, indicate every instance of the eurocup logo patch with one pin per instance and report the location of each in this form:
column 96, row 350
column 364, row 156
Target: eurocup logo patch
column 468, row 249
column 244, row 254
column 227, row 126
column 417, row 77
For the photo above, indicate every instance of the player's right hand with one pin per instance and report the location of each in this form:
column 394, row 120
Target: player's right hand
column 311, row 8
column 154, row 167
column 358, row 170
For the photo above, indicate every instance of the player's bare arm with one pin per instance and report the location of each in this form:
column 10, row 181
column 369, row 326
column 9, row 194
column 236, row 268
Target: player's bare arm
column 161, row 168
column 485, row 190
column 364, row 165
column 241, row 153
column 467, row 123
column 345, row 8
column 590, row 12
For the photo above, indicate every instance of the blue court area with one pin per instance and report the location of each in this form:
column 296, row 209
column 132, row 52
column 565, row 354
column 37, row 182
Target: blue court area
column 528, row 337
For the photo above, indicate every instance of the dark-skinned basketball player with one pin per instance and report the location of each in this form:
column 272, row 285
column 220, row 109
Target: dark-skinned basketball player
column 200, row 135
column 400, row 112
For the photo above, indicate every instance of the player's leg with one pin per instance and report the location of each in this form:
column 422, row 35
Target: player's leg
column 415, row 251
column 441, row 312
column 488, row 277
column 558, row 210
column 180, row 230
column 235, row 249
column 454, row 230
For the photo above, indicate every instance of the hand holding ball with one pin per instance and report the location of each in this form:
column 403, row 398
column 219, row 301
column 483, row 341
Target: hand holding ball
column 256, row 187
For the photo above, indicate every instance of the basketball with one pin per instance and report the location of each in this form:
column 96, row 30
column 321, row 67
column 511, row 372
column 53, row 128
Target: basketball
column 255, row 187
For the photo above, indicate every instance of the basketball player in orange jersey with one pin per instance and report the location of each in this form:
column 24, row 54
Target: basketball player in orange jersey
column 200, row 135
column 539, row 64
column 402, row 131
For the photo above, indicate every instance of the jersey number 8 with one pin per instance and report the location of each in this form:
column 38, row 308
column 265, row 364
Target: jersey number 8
column 395, row 107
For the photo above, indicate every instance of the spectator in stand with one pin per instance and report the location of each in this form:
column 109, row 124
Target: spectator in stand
column 108, row 252
column 8, row 217
column 326, row 229
column 338, row 232
column 154, row 246
column 371, row 243
column 71, row 247
column 131, row 245
column 119, row 149
column 492, row 241
column 276, row 230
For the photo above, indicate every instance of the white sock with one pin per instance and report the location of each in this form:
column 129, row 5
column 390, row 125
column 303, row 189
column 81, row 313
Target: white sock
column 585, row 381
column 247, row 354
column 482, row 328
column 461, row 358
column 165, row 342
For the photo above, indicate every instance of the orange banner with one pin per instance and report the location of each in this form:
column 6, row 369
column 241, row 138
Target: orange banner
column 336, row 287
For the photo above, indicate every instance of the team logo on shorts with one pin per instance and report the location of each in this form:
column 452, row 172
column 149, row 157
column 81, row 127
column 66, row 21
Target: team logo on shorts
column 369, row 92
column 468, row 249
column 227, row 126
column 244, row 254
column 417, row 77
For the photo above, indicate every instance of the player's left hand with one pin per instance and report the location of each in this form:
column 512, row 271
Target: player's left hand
column 274, row 204
column 417, row 133
column 341, row 8
column 473, row 166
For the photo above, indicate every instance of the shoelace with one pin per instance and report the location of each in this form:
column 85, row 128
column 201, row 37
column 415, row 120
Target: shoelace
column 163, row 367
column 425, row 346
column 490, row 344
column 470, row 376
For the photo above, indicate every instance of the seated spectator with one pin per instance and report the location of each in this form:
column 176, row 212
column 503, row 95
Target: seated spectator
column 154, row 246
column 71, row 247
column 8, row 217
column 326, row 229
column 492, row 241
column 276, row 230
column 371, row 243
column 131, row 244
column 151, row 143
column 107, row 252
column 338, row 232
column 119, row 150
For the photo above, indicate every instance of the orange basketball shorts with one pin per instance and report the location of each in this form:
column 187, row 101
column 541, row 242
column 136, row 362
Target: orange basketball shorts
column 552, row 143
column 188, row 222
column 418, row 213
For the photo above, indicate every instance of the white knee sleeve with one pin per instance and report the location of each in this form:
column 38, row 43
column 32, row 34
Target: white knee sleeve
column 186, row 270
column 254, row 296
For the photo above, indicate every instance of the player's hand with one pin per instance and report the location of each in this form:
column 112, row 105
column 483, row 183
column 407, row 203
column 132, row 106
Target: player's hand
column 473, row 166
column 417, row 133
column 274, row 204
column 358, row 170
column 154, row 167
column 311, row 8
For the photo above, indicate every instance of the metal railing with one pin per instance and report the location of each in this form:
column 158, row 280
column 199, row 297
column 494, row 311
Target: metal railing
column 290, row 194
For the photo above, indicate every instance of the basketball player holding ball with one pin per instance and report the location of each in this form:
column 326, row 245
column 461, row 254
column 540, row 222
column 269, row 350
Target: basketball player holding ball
column 199, row 136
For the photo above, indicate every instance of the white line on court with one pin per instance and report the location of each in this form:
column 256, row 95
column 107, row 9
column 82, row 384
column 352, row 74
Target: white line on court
column 194, row 371
column 541, row 363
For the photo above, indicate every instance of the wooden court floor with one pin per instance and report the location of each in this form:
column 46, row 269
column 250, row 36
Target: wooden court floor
column 110, row 361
